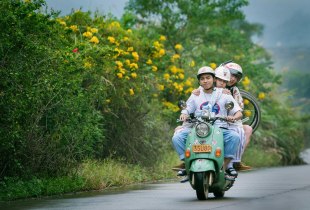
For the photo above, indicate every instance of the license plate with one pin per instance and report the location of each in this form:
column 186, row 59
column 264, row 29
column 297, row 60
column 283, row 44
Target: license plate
column 202, row 148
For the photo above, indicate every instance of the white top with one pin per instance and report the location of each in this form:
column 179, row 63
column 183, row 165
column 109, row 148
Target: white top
column 216, row 100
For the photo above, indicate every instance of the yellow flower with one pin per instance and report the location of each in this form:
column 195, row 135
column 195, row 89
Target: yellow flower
column 149, row 62
column 261, row 96
column 161, row 52
column 181, row 76
column 174, row 69
column 130, row 49
column 27, row 1
column 129, row 31
column 188, row 82
column 128, row 78
column 122, row 70
column 178, row 47
column 63, row 23
column 171, row 106
column 125, row 39
column 135, row 55
column 119, row 75
column 189, row 90
column 133, row 75
column 87, row 65
column 127, row 61
column 162, row 38
column 175, row 57
column 108, row 101
column 166, row 76
column 133, row 66
column 246, row 81
column 94, row 39
column 246, row 101
column 74, row 28
column 119, row 64
column 94, row 30
column 114, row 24
column 111, row 39
column 88, row 34
column 247, row 113
column 154, row 68
column 131, row 92
column 160, row 87
column 157, row 45
column 213, row 65
column 192, row 64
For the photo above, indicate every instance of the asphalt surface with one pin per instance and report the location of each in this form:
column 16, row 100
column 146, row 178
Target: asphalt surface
column 282, row 188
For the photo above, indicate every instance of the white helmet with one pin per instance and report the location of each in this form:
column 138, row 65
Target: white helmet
column 235, row 69
column 205, row 70
column 223, row 73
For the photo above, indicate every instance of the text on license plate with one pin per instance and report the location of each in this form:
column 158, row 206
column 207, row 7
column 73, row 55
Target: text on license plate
column 202, row 148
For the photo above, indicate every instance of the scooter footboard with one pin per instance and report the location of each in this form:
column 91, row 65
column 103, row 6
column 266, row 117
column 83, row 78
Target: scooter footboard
column 200, row 165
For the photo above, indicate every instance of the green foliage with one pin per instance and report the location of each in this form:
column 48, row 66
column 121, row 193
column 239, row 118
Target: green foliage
column 214, row 32
column 91, row 175
column 78, row 89
column 66, row 94
column 12, row 188
column 47, row 119
column 258, row 156
column 284, row 131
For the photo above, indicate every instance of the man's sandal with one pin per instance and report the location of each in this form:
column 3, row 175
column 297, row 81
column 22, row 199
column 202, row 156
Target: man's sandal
column 232, row 172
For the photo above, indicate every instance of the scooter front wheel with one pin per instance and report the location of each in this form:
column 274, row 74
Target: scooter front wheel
column 202, row 184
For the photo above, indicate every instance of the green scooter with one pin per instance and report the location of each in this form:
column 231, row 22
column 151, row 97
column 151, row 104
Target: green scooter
column 204, row 155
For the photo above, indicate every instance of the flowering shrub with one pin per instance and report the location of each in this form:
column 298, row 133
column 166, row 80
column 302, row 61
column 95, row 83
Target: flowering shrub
column 86, row 86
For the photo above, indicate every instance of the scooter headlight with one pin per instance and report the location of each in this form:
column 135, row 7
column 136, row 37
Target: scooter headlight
column 202, row 130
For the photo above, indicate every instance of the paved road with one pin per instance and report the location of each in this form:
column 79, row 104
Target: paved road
column 282, row 188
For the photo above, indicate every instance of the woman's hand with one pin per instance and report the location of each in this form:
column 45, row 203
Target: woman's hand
column 183, row 117
column 226, row 91
column 231, row 119
column 196, row 92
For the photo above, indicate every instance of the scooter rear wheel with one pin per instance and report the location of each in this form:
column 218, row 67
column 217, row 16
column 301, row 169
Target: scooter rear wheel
column 202, row 185
column 251, row 110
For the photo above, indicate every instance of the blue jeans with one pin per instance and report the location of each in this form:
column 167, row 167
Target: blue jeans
column 231, row 142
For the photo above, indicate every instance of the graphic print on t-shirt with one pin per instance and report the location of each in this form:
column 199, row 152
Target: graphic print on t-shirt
column 215, row 108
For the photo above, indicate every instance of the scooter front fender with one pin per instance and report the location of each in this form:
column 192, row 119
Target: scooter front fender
column 200, row 165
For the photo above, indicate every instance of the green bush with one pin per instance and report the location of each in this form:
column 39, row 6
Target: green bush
column 48, row 121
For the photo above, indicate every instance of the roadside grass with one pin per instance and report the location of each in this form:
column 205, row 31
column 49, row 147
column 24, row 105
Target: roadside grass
column 91, row 175
column 257, row 156
column 101, row 175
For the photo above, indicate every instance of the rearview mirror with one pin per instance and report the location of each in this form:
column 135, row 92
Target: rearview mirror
column 182, row 104
column 229, row 105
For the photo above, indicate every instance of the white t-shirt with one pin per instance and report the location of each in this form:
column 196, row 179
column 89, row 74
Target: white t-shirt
column 217, row 99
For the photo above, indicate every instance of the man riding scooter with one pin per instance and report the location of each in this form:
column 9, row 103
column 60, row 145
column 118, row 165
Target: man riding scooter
column 215, row 101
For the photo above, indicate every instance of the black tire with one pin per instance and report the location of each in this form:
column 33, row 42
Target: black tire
column 219, row 194
column 252, row 109
column 202, row 185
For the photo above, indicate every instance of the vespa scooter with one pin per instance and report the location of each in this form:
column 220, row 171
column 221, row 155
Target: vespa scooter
column 204, row 156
